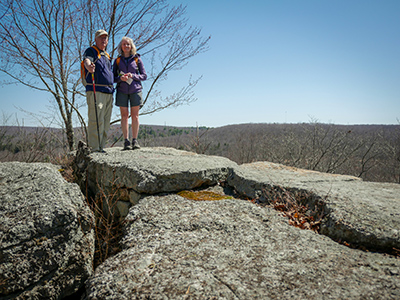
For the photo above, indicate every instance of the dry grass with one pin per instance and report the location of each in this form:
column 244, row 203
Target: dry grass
column 108, row 227
column 66, row 170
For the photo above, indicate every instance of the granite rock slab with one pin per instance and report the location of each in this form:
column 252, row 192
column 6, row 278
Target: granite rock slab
column 47, row 238
column 175, row 248
column 362, row 213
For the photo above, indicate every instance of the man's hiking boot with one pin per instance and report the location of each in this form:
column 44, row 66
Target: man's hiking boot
column 99, row 151
column 127, row 145
column 135, row 144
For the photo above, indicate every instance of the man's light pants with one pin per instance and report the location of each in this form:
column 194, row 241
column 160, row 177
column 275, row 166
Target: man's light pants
column 104, row 108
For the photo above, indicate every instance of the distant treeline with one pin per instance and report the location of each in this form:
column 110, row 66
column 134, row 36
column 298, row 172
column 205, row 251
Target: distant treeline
column 371, row 152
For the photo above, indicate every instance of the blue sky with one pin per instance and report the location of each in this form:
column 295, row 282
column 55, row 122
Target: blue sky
column 282, row 61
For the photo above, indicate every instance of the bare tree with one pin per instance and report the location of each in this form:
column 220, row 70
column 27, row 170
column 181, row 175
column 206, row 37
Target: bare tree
column 46, row 40
column 391, row 150
column 198, row 142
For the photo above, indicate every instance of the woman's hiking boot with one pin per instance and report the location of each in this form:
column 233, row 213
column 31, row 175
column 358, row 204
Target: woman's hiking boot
column 127, row 145
column 135, row 144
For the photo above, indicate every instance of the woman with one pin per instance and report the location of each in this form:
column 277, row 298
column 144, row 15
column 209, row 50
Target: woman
column 128, row 73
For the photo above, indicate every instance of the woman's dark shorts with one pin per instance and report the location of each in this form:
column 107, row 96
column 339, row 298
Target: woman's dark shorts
column 123, row 100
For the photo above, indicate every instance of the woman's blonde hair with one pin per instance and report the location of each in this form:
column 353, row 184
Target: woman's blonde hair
column 130, row 41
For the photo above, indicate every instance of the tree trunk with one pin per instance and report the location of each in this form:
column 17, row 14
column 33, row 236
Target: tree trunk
column 69, row 131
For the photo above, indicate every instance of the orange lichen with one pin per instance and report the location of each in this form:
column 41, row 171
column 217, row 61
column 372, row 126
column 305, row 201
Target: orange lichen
column 203, row 195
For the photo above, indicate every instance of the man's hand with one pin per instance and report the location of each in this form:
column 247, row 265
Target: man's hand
column 89, row 65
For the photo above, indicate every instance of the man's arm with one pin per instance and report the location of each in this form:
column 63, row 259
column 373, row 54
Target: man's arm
column 89, row 65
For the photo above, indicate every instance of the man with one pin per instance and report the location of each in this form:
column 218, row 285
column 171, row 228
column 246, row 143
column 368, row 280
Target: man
column 98, row 62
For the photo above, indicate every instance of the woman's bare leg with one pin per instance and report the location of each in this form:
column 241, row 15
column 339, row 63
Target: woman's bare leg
column 135, row 121
column 124, row 122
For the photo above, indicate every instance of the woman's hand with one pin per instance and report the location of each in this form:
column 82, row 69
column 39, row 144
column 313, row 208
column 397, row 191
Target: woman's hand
column 126, row 76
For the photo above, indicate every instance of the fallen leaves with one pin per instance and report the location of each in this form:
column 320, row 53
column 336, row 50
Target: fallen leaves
column 294, row 205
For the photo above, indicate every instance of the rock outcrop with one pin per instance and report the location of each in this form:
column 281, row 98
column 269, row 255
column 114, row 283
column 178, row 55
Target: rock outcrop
column 47, row 239
column 148, row 171
column 365, row 214
column 175, row 248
